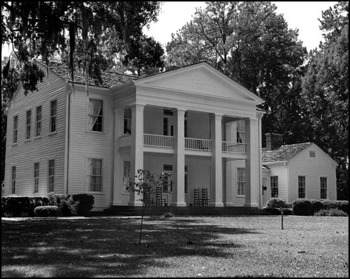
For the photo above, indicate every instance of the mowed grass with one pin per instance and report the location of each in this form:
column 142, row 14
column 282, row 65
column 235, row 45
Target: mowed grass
column 242, row 246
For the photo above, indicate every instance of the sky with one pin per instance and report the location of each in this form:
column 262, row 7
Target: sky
column 302, row 15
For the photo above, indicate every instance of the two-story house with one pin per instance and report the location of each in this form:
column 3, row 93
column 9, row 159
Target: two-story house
column 193, row 122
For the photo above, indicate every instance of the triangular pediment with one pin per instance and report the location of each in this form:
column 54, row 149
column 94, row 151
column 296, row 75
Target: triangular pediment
column 201, row 79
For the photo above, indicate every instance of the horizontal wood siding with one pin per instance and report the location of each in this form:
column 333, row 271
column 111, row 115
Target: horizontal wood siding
column 312, row 168
column 48, row 146
column 85, row 144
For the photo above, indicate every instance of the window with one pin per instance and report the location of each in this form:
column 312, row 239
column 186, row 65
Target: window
column 126, row 174
column 38, row 122
column 168, row 112
column 312, row 153
column 240, row 181
column 13, row 180
column 51, row 177
column 95, row 115
column 168, row 187
column 165, row 126
column 15, row 128
column 274, row 186
column 241, row 131
column 28, row 123
column 53, row 116
column 95, row 175
column 36, row 177
column 127, row 122
column 301, row 187
column 168, row 127
column 323, row 183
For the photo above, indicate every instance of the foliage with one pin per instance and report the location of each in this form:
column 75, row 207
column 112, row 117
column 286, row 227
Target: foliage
column 85, row 202
column 325, row 92
column 46, row 211
column 17, row 206
column 311, row 206
column 276, row 203
column 252, row 44
column 65, row 203
column 331, row 212
column 91, row 32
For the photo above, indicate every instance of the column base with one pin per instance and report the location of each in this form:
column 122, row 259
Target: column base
column 178, row 203
column 216, row 204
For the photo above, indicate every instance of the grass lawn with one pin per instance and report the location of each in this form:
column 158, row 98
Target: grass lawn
column 242, row 246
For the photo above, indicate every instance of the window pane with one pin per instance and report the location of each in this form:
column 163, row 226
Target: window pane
column 95, row 115
column 95, row 177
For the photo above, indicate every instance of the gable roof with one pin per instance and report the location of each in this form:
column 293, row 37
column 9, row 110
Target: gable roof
column 284, row 153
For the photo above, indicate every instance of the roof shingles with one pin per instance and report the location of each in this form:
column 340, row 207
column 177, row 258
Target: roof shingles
column 284, row 153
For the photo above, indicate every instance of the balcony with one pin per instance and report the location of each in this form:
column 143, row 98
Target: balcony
column 191, row 144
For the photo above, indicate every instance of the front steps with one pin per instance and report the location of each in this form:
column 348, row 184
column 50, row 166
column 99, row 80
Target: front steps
column 180, row 211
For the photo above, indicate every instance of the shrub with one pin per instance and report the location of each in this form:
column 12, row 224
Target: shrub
column 341, row 205
column 85, row 203
column 276, row 203
column 302, row 207
column 331, row 212
column 17, row 206
column 316, row 206
column 46, row 211
column 67, row 207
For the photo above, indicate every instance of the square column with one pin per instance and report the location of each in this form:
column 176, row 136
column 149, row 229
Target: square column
column 216, row 161
column 118, row 160
column 178, row 195
column 136, row 148
column 252, row 166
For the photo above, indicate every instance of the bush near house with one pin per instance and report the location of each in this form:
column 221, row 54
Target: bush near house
column 310, row 206
column 274, row 206
column 331, row 212
column 19, row 206
column 46, row 211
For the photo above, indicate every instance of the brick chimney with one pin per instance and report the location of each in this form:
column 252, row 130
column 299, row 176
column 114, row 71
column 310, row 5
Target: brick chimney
column 273, row 141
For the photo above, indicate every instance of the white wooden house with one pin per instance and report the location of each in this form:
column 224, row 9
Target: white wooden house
column 297, row 171
column 194, row 122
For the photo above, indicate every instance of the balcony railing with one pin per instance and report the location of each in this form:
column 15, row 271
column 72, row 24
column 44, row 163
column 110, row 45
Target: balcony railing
column 231, row 147
column 198, row 144
column 158, row 140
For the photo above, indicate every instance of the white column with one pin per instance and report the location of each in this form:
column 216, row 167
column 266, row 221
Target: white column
column 136, row 147
column 216, row 162
column 118, row 160
column 178, row 195
column 252, row 164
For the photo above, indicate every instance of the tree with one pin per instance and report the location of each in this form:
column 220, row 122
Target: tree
column 144, row 184
column 252, row 44
column 76, row 30
column 325, row 92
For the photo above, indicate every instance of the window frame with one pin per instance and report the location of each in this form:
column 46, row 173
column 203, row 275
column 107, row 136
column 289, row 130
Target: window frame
column 51, row 185
column 53, row 117
column 168, row 187
column 241, row 183
column 28, row 124
column 127, row 121
column 36, row 177
column 241, row 131
column 38, row 122
column 92, row 116
column 301, row 187
column 126, row 174
column 90, row 175
column 274, row 186
column 15, row 130
column 323, row 188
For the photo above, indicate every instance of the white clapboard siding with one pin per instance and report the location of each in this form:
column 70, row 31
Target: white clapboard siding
column 281, row 171
column 312, row 168
column 48, row 146
column 85, row 144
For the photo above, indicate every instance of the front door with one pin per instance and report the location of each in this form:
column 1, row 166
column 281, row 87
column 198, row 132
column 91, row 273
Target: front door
column 168, row 187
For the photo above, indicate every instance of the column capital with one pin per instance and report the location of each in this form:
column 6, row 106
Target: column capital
column 138, row 107
column 216, row 115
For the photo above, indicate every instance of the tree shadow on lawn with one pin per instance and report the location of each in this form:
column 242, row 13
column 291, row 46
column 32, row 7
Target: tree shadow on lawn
column 108, row 247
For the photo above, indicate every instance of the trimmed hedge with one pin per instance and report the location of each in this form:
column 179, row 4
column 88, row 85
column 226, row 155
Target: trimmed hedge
column 331, row 212
column 19, row 206
column 308, row 207
column 46, row 211
column 276, row 203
